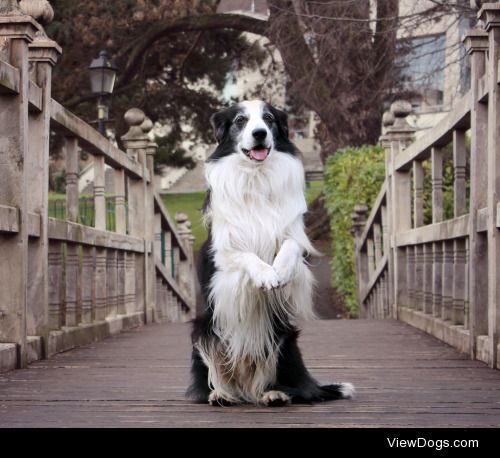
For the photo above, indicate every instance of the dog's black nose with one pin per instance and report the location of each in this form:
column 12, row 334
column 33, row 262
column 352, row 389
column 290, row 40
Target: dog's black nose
column 259, row 134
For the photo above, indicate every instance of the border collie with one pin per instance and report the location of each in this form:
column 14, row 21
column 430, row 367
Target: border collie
column 252, row 271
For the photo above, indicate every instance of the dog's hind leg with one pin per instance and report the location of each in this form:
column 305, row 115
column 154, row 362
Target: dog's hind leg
column 198, row 391
column 294, row 379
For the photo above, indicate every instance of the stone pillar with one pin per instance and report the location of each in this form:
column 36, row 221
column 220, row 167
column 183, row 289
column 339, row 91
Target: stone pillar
column 111, row 284
column 418, row 194
column 490, row 14
column 136, row 142
column 17, row 31
column 459, row 173
column 476, row 43
column 399, row 136
column 43, row 56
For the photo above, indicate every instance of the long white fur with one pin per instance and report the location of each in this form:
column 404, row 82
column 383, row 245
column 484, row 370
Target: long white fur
column 258, row 240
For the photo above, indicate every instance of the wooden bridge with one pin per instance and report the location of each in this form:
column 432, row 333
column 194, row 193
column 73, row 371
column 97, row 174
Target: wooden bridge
column 65, row 285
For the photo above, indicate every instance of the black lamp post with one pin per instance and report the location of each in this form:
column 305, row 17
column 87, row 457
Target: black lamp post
column 102, row 79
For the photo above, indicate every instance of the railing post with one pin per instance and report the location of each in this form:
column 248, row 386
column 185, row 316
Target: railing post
column 388, row 121
column 43, row 56
column 72, row 213
column 476, row 43
column 490, row 14
column 399, row 189
column 186, row 268
column 141, row 207
column 437, row 185
column 16, row 32
column 361, row 260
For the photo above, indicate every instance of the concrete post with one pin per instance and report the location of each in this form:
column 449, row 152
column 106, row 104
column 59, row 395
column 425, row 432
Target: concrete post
column 43, row 56
column 399, row 185
column 490, row 14
column 476, row 43
column 18, row 31
column 140, row 202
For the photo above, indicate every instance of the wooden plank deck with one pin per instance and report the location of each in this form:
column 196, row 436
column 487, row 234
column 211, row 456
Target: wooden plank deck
column 404, row 379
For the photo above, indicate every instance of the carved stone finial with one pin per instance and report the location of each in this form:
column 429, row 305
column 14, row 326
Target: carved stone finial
column 9, row 7
column 40, row 10
column 135, row 138
column 388, row 119
column 400, row 110
column 147, row 125
column 183, row 224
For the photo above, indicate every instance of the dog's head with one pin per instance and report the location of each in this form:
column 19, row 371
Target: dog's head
column 253, row 129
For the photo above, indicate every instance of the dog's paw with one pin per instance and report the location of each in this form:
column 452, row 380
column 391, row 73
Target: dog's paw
column 275, row 399
column 285, row 271
column 266, row 278
column 216, row 399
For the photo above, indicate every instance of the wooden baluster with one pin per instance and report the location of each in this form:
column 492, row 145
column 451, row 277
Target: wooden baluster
column 459, row 170
column 111, row 284
column 99, row 193
column 55, row 285
column 121, row 272
column 459, row 279
column 130, row 279
column 159, row 304
column 377, row 240
column 428, row 259
column 418, row 194
column 120, row 211
column 100, row 284
column 371, row 257
column 437, row 185
column 419, row 277
column 447, row 295
column 410, row 275
column 437, row 276
column 72, row 279
column 87, row 285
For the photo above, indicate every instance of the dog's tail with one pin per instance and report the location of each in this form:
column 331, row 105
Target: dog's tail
column 336, row 391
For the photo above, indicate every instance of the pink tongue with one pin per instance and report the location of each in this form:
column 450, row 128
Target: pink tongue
column 258, row 154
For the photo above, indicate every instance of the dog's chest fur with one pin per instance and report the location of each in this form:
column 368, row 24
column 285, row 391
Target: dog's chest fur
column 251, row 207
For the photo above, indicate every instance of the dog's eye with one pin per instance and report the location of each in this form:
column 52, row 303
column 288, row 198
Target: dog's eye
column 240, row 121
column 268, row 117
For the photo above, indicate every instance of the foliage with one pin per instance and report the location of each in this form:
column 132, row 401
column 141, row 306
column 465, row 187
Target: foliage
column 177, row 79
column 352, row 175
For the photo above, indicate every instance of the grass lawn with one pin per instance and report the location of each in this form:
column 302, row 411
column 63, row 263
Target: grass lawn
column 190, row 204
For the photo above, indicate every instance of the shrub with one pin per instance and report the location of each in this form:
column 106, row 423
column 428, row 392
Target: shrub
column 352, row 175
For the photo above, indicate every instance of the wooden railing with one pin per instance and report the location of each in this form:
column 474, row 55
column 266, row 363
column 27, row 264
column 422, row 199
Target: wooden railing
column 64, row 284
column 434, row 267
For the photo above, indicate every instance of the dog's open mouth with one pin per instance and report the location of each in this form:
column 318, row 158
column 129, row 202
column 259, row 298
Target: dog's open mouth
column 257, row 153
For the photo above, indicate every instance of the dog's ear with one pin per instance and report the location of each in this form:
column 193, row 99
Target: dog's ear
column 281, row 120
column 220, row 122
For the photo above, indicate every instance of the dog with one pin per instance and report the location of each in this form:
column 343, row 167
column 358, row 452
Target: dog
column 253, row 275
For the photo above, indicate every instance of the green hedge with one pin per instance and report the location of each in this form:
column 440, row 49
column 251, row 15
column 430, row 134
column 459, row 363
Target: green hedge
column 352, row 175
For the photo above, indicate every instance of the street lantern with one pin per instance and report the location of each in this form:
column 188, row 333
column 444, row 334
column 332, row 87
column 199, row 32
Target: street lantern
column 102, row 80
column 103, row 74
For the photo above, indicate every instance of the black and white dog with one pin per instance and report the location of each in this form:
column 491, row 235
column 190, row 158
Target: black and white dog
column 252, row 272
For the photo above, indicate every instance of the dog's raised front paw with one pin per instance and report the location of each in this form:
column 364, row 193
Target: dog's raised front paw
column 285, row 272
column 266, row 278
column 275, row 399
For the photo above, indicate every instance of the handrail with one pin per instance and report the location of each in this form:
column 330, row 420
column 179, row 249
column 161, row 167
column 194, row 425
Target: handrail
column 440, row 135
column 92, row 141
